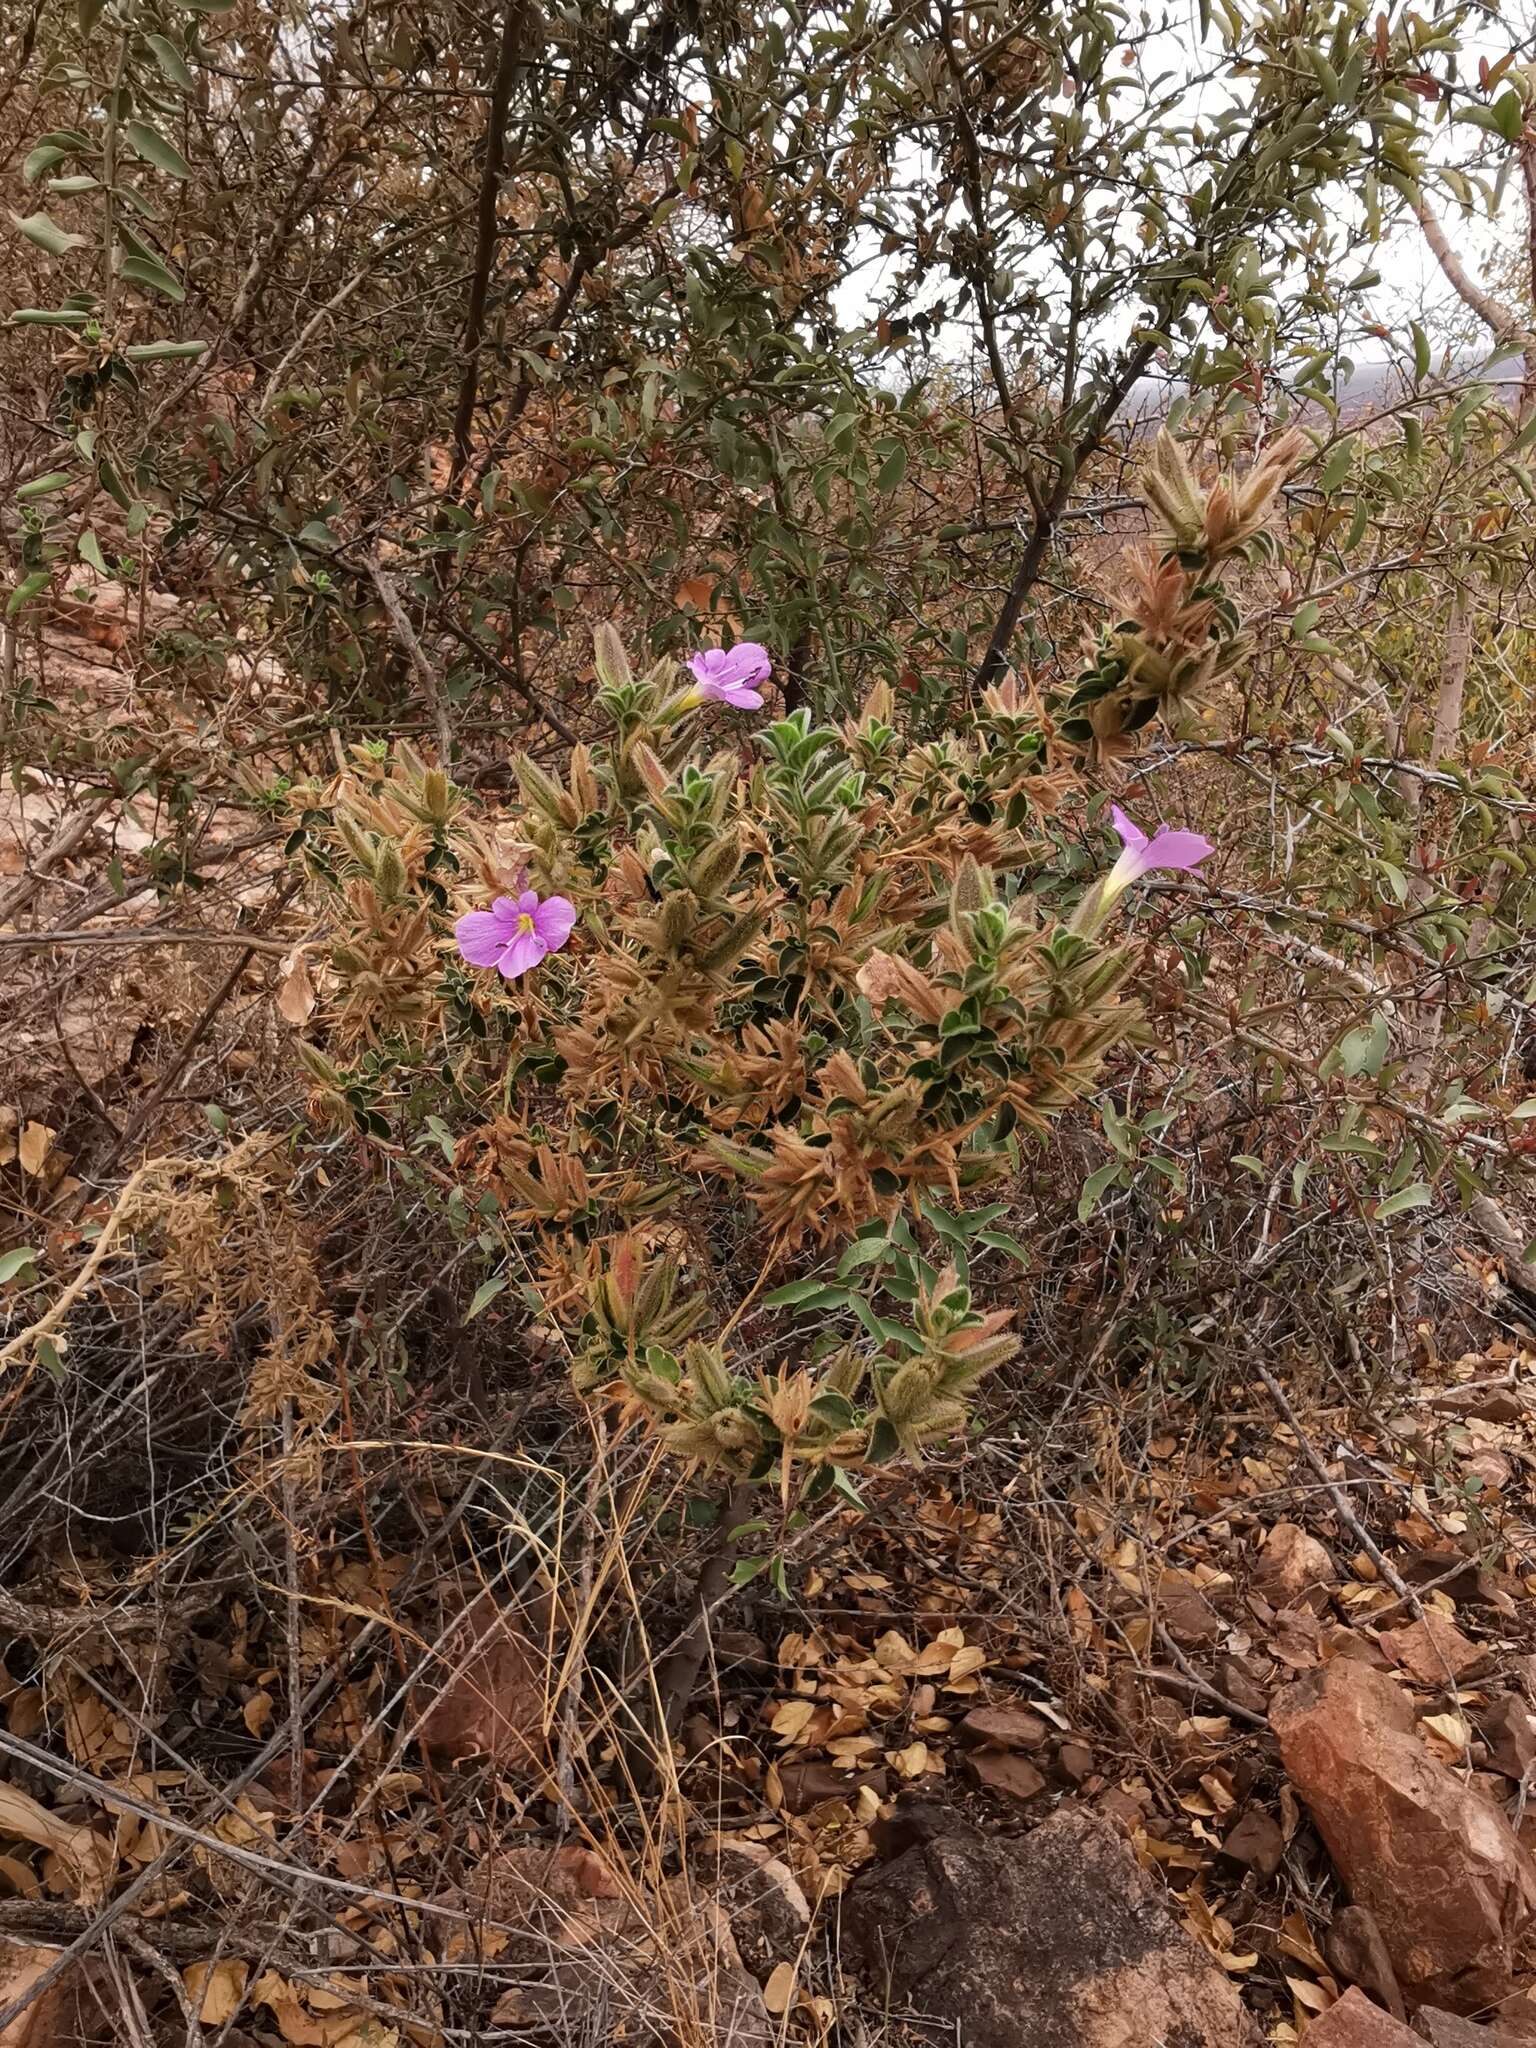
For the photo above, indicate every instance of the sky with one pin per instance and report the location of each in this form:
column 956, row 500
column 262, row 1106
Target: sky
column 1412, row 286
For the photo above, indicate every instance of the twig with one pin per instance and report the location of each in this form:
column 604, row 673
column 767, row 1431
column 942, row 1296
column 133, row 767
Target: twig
column 513, row 22
column 507, row 673
column 1049, row 509
column 291, row 1573
column 570, row 1706
column 145, row 935
column 1203, row 1686
column 152, row 1959
column 46, row 1324
column 679, row 1672
column 64, row 840
column 410, row 647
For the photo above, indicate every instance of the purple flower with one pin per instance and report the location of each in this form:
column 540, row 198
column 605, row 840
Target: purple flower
column 515, row 934
column 728, row 675
column 1179, row 852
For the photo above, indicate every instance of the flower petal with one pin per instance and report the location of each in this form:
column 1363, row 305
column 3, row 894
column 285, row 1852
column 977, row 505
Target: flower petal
column 1131, row 836
column 750, row 662
column 481, row 936
column 526, row 950
column 554, row 921
column 1180, row 852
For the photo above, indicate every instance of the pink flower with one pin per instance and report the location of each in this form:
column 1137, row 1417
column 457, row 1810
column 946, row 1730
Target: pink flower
column 728, row 674
column 1179, row 852
column 515, row 934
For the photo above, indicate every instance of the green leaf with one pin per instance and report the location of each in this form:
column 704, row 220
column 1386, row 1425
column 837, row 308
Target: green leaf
column 1415, row 1196
column 47, row 234
column 14, row 1262
column 1101, row 1179
column 88, row 547
column 1000, row 1241
column 88, row 13
column 153, row 275
column 893, row 469
column 150, row 144
column 171, row 61
column 795, row 1295
column 746, row 1569
column 43, row 486
column 484, row 1295
column 1421, row 353
column 25, row 591
column 1338, row 465
column 41, row 160
column 112, row 483
column 1523, row 1111
column 1509, row 115
column 844, row 1485
column 43, row 316
column 864, row 1251
column 165, row 351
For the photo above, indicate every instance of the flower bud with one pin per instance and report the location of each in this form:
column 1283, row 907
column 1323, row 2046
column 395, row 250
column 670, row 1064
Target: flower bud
column 389, row 872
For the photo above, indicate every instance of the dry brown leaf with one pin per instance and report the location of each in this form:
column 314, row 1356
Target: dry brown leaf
column 306, row 2028
column 219, row 1988
column 1451, row 1735
column 53, row 2017
column 914, row 1760
column 1310, row 1997
column 295, row 989
column 895, row 1654
column 791, row 1719
column 779, row 1991
column 492, row 1702
column 257, row 1713
column 85, row 1858
column 36, row 1143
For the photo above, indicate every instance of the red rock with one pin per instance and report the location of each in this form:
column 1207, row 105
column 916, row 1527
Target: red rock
column 1510, row 1729
column 1450, row 1886
column 1341, row 1641
column 1242, row 1680
column 1056, row 1941
column 1357, row 1953
column 1187, row 1615
column 1015, row 1777
column 1448, row 2030
column 1353, row 2022
column 1294, row 1570
column 1295, row 1640
column 1489, row 1404
column 1005, row 1727
column 804, row 1785
column 1074, row 1760
column 1432, row 1651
